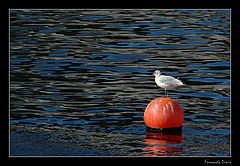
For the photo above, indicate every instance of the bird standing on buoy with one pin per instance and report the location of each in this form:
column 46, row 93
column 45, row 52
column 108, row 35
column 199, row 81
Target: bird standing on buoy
column 166, row 82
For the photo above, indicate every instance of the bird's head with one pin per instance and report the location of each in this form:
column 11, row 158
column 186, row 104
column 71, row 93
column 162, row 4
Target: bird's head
column 156, row 73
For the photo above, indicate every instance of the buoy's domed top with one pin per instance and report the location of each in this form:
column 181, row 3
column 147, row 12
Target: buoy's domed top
column 163, row 112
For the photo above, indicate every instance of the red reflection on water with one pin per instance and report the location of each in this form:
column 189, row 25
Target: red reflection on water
column 159, row 144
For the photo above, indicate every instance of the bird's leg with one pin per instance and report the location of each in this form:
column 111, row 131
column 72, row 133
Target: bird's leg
column 165, row 92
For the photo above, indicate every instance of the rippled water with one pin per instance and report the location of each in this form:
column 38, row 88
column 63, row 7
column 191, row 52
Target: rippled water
column 80, row 81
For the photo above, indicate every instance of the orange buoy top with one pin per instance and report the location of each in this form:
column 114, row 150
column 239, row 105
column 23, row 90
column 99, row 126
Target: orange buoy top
column 163, row 112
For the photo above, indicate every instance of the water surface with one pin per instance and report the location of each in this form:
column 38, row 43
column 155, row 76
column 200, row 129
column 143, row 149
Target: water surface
column 80, row 81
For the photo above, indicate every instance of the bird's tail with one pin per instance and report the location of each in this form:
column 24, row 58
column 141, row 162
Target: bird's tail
column 180, row 83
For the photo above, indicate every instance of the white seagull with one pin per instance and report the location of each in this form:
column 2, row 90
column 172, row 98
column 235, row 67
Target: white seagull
column 166, row 82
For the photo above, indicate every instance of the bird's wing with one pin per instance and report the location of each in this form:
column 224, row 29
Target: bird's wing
column 168, row 80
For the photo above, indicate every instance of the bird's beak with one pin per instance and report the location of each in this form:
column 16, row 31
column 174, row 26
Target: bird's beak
column 152, row 74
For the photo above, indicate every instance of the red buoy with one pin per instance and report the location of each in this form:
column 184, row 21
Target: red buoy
column 163, row 113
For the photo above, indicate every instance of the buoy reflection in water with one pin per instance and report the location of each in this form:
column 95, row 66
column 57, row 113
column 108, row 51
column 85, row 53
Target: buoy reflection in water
column 159, row 144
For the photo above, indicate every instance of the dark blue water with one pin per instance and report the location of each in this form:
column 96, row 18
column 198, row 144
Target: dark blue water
column 80, row 81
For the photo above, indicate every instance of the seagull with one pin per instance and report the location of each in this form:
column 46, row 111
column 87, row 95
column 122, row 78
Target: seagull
column 166, row 82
